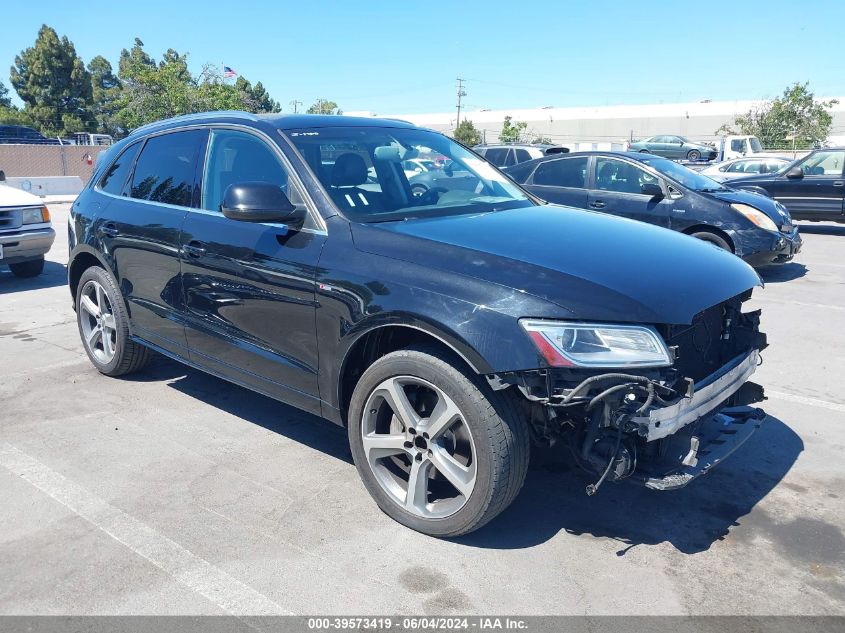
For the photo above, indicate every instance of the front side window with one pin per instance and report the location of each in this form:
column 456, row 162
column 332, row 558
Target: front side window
column 825, row 163
column 361, row 168
column 563, row 172
column 165, row 169
column 236, row 157
column 114, row 180
column 619, row 176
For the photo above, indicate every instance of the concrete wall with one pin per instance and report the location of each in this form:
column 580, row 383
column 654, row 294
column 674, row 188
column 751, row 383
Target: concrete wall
column 48, row 160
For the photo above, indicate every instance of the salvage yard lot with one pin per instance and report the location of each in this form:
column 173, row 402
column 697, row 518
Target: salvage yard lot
column 173, row 492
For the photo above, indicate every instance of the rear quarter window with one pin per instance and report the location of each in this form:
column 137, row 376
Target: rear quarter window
column 114, row 180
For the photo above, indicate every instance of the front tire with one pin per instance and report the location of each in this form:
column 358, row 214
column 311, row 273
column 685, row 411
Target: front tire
column 718, row 240
column 693, row 155
column 438, row 450
column 25, row 270
column 104, row 326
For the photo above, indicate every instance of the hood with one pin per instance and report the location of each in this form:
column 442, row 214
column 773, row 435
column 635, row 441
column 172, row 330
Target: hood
column 767, row 205
column 14, row 197
column 592, row 265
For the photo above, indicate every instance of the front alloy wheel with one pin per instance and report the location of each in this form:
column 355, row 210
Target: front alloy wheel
column 436, row 447
column 419, row 447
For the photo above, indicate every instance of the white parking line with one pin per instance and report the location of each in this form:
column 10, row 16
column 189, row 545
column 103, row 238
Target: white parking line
column 813, row 402
column 196, row 573
column 802, row 303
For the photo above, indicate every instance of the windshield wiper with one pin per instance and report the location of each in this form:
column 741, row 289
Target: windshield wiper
column 713, row 189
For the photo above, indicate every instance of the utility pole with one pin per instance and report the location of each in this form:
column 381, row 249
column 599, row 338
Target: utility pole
column 461, row 93
column 295, row 103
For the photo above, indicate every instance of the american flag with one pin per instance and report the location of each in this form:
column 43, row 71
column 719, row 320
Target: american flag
column 229, row 72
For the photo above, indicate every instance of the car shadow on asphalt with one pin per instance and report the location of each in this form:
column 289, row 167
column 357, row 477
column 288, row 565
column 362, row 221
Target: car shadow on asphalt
column 690, row 519
column 54, row 274
column 783, row 272
column 250, row 406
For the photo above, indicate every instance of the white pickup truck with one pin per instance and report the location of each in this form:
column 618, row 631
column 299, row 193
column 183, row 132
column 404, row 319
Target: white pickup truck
column 26, row 233
column 737, row 146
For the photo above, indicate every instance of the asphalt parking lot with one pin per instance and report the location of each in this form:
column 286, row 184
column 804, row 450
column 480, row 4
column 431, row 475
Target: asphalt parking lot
column 176, row 493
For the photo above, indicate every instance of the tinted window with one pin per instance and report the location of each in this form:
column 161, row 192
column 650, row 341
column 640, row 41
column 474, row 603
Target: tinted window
column 115, row 177
column 522, row 155
column 497, row 155
column 563, row 172
column 617, row 175
column 236, row 157
column 165, row 169
column 826, row 163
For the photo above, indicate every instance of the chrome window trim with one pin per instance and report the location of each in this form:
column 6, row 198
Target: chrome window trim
column 309, row 202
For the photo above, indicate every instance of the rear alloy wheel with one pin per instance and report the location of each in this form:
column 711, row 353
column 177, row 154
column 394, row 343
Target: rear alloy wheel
column 693, row 154
column 103, row 326
column 718, row 240
column 32, row 268
column 437, row 449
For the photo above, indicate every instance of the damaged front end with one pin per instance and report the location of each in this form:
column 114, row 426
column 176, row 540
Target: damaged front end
column 675, row 406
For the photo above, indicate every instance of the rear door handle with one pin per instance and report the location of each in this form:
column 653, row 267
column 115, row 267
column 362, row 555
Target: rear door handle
column 109, row 230
column 839, row 183
column 194, row 249
column 598, row 204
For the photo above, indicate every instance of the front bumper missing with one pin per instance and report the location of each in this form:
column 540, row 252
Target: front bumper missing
column 717, row 438
column 707, row 396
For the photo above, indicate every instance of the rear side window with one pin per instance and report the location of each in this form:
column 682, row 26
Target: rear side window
column 498, row 156
column 563, row 172
column 114, row 179
column 522, row 155
column 166, row 167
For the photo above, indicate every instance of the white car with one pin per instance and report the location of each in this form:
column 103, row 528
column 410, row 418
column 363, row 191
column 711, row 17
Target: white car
column 739, row 167
column 414, row 166
column 26, row 232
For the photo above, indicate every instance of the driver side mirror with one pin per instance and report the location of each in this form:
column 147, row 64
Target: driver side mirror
column 795, row 172
column 260, row 202
column 651, row 189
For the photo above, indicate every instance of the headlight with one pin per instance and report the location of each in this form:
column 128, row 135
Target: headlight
column 597, row 345
column 755, row 216
column 36, row 216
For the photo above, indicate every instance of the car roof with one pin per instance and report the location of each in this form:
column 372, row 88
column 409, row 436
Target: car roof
column 538, row 145
column 280, row 121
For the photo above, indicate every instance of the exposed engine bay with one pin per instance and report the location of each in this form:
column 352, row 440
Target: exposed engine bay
column 659, row 427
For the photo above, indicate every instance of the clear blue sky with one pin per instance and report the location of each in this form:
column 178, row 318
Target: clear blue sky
column 402, row 56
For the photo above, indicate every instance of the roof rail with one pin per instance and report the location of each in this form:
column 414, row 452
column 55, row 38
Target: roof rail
column 196, row 116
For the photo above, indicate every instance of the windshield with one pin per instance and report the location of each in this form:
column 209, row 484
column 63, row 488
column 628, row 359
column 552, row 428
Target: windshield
column 687, row 177
column 755, row 144
column 364, row 170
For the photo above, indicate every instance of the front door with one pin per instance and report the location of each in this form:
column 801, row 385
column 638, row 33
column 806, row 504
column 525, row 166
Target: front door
column 819, row 193
column 139, row 229
column 617, row 189
column 249, row 287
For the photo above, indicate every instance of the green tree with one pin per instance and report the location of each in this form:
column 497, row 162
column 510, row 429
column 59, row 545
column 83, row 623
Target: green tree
column 795, row 114
column 324, row 106
column 467, row 133
column 512, row 131
column 256, row 98
column 106, row 89
column 153, row 91
column 5, row 100
column 54, row 85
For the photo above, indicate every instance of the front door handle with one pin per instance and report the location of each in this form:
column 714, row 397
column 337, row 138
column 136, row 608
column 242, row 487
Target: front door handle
column 598, row 204
column 109, row 230
column 194, row 249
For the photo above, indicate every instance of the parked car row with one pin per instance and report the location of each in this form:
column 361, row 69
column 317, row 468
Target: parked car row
column 446, row 331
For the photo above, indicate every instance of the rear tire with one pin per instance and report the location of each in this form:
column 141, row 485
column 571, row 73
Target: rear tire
column 718, row 240
column 25, row 270
column 484, row 449
column 104, row 326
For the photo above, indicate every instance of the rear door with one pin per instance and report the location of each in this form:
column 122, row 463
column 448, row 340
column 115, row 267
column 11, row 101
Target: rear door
column 139, row 230
column 561, row 181
column 616, row 189
column 249, row 286
column 819, row 194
